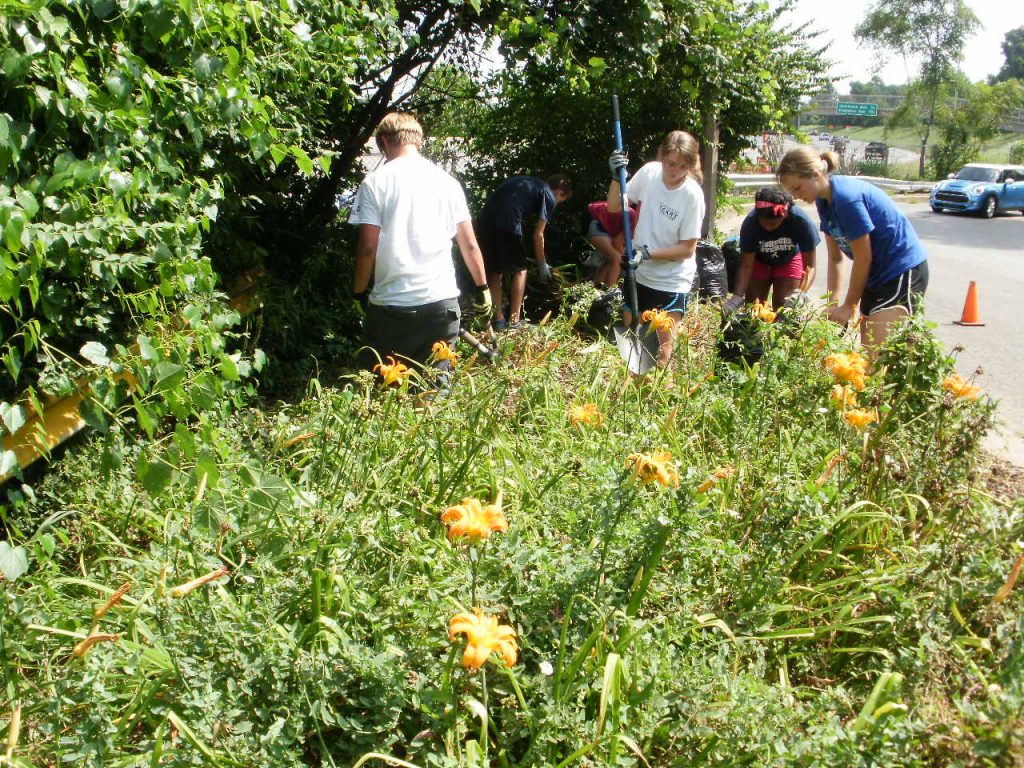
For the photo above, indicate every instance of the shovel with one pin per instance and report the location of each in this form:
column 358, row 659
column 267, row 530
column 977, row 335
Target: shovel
column 638, row 344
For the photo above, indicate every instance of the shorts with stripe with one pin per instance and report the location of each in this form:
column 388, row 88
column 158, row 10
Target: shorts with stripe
column 905, row 291
column 652, row 298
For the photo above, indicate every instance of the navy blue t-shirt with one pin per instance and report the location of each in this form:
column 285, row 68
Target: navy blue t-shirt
column 514, row 200
column 796, row 234
column 859, row 208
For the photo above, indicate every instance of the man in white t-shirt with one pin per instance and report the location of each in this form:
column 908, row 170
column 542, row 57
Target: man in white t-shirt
column 408, row 211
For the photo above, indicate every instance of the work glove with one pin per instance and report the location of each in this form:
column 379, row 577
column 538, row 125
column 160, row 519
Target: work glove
column 362, row 299
column 617, row 160
column 732, row 304
column 640, row 254
column 796, row 299
column 481, row 303
column 543, row 271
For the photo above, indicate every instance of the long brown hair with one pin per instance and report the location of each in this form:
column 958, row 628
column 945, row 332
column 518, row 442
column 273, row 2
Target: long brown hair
column 687, row 146
column 804, row 161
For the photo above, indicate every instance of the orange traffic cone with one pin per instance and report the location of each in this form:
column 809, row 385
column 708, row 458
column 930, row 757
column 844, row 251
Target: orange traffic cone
column 970, row 314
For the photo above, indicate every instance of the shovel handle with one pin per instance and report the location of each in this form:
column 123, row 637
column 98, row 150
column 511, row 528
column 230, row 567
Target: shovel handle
column 627, row 222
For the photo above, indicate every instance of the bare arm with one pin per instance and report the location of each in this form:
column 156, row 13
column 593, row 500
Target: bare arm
column 834, row 278
column 810, row 263
column 746, row 268
column 470, row 250
column 538, row 240
column 681, row 251
column 859, row 274
column 614, row 197
column 366, row 256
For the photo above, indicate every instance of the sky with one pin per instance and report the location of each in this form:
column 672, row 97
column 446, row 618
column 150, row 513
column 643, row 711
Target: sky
column 983, row 55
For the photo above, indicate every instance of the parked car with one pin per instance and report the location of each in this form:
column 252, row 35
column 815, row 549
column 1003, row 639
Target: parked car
column 985, row 188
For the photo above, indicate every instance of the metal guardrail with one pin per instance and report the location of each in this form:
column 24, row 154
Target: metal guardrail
column 743, row 180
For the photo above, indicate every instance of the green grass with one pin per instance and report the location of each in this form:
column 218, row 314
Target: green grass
column 808, row 594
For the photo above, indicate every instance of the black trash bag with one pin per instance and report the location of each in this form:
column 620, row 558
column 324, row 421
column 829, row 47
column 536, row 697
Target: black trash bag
column 733, row 257
column 604, row 313
column 739, row 339
column 711, row 282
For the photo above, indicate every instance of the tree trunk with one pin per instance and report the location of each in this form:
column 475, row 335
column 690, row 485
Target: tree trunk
column 709, row 164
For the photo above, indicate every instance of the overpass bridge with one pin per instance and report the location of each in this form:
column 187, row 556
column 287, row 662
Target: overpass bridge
column 867, row 105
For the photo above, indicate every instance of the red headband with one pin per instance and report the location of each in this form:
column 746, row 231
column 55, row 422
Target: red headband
column 779, row 209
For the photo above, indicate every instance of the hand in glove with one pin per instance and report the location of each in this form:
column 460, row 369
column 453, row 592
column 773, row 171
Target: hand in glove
column 362, row 299
column 482, row 301
column 543, row 271
column 732, row 304
column 617, row 160
column 640, row 254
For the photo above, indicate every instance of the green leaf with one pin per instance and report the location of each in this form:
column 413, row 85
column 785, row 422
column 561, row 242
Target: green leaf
column 324, row 161
column 95, row 353
column 146, row 349
column 278, row 152
column 154, row 476
column 303, row 160
column 8, row 462
column 228, row 368
column 13, row 560
column 104, row 8
column 77, row 88
column 13, row 232
column 28, row 202
column 13, row 416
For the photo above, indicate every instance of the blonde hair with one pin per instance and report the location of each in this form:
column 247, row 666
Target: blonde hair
column 687, row 146
column 400, row 128
column 804, row 161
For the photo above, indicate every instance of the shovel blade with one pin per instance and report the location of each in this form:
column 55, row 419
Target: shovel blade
column 638, row 347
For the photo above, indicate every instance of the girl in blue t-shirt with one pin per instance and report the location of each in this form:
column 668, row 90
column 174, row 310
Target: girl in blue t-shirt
column 890, row 267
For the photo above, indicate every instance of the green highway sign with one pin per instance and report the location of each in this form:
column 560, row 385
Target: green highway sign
column 856, row 108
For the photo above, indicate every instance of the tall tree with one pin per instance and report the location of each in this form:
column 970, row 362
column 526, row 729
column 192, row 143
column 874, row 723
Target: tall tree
column 1013, row 55
column 934, row 31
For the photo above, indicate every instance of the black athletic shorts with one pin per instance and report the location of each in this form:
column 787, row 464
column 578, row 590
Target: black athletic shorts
column 905, row 291
column 652, row 298
column 504, row 252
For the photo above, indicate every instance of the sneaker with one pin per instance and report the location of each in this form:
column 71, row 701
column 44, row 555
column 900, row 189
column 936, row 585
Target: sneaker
column 517, row 325
column 499, row 325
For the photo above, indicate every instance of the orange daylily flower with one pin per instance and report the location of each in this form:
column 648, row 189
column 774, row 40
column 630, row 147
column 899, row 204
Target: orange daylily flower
column 850, row 367
column 472, row 520
column 763, row 312
column 959, row 387
column 442, row 351
column 484, row 635
column 718, row 474
column 652, row 467
column 585, row 414
column 860, row 417
column 658, row 319
column 394, row 372
column 844, row 397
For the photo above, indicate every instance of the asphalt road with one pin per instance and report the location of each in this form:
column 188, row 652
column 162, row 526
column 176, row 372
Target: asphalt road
column 962, row 248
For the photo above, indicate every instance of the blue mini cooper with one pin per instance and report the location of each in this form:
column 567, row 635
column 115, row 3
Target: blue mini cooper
column 984, row 188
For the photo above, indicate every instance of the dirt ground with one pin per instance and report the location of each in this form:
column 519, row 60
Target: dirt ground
column 1002, row 479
